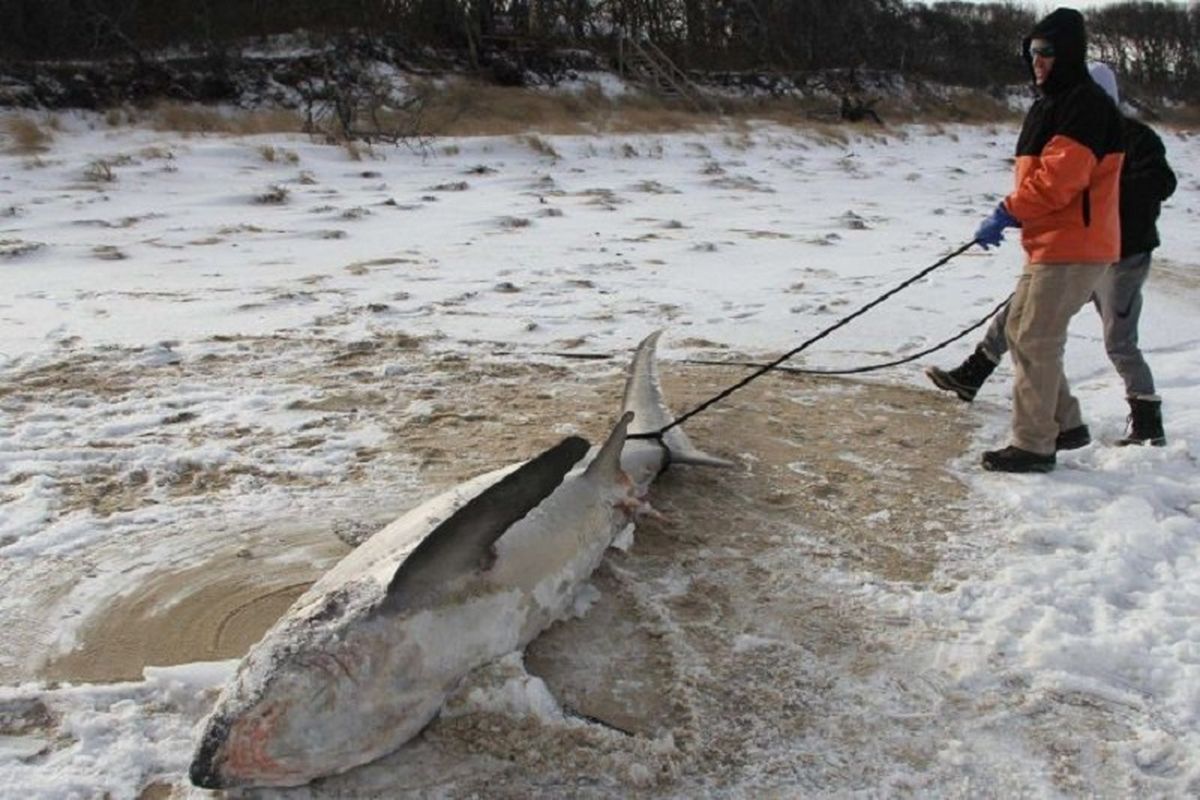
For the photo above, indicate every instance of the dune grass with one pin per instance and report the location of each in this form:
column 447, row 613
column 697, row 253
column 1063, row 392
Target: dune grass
column 25, row 136
column 468, row 107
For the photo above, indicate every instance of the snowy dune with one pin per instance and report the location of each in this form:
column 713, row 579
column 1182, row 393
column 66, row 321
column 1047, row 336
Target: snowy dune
column 218, row 355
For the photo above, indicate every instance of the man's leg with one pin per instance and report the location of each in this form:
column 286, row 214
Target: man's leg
column 1048, row 295
column 965, row 379
column 994, row 343
column 1118, row 298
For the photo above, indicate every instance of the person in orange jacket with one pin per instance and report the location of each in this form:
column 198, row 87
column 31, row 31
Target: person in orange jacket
column 1066, row 203
column 1146, row 181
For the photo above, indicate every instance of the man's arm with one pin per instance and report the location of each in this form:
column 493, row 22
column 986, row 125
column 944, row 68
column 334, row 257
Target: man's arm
column 1146, row 173
column 1063, row 170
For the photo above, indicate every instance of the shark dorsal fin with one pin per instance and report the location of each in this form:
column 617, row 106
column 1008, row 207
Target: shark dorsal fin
column 607, row 462
column 463, row 542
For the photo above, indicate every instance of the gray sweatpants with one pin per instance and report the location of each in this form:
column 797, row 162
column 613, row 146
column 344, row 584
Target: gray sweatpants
column 1118, row 298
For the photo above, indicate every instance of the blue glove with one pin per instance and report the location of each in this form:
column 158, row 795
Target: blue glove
column 991, row 230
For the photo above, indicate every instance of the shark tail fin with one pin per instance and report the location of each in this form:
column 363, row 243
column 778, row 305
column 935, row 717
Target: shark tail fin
column 683, row 452
column 644, row 396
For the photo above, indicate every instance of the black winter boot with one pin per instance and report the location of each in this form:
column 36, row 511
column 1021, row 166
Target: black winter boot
column 1073, row 438
column 1145, row 419
column 965, row 379
column 1014, row 459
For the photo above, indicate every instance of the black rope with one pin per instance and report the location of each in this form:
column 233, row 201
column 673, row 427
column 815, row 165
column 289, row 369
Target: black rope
column 856, row 370
column 768, row 367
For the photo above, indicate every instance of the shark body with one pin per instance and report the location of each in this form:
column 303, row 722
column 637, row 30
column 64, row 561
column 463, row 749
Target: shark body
column 366, row 657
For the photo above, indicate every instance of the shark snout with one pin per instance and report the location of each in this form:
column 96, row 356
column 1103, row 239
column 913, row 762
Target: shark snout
column 205, row 771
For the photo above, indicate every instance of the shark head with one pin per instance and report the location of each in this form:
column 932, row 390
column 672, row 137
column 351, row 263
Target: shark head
column 322, row 697
column 271, row 729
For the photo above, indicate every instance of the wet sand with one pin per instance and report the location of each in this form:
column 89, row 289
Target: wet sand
column 717, row 630
column 858, row 465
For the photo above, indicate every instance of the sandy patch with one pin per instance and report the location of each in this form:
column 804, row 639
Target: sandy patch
column 211, row 612
column 717, row 633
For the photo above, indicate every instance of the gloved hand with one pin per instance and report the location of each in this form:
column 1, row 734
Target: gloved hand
column 991, row 231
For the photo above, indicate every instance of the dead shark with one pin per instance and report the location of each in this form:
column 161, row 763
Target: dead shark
column 364, row 659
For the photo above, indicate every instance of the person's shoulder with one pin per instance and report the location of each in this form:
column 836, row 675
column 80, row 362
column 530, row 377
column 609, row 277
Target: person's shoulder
column 1089, row 92
column 1140, row 136
column 1135, row 126
column 1078, row 97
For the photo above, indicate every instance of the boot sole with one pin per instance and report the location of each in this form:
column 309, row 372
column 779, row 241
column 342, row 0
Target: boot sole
column 1073, row 443
column 1024, row 468
column 942, row 380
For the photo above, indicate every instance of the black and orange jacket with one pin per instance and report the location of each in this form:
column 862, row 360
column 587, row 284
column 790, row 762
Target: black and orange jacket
column 1068, row 160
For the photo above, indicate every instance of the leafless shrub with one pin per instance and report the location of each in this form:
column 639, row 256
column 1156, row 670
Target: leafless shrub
column 108, row 252
column 100, row 171
column 14, row 248
column 351, row 102
column 275, row 195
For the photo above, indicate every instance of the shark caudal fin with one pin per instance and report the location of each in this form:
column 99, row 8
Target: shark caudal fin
column 644, row 397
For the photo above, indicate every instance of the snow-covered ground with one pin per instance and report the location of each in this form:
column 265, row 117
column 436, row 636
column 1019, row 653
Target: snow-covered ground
column 218, row 352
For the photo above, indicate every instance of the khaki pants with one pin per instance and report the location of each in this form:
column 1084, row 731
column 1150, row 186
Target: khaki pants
column 1047, row 296
column 1118, row 298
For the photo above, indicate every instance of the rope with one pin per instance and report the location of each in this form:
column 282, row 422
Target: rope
column 856, row 370
column 758, row 373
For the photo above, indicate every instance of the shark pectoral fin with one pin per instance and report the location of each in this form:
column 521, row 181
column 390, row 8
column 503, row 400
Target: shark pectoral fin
column 607, row 463
column 464, row 542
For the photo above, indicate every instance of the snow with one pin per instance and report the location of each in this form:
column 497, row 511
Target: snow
column 1064, row 598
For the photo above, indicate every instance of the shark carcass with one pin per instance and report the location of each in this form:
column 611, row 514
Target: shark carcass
column 364, row 659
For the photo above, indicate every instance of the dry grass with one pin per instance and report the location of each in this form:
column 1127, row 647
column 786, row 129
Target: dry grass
column 100, row 171
column 157, row 153
column 1183, row 118
column 470, row 108
column 963, row 107
column 27, row 137
column 191, row 118
column 540, row 146
column 273, row 155
column 466, row 107
column 275, row 195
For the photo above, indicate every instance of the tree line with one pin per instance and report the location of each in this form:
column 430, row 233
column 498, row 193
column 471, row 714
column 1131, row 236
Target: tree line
column 1153, row 44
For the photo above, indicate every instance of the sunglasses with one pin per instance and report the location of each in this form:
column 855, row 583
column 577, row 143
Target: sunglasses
column 1045, row 51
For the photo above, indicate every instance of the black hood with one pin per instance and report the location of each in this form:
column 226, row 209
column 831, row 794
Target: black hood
column 1063, row 28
